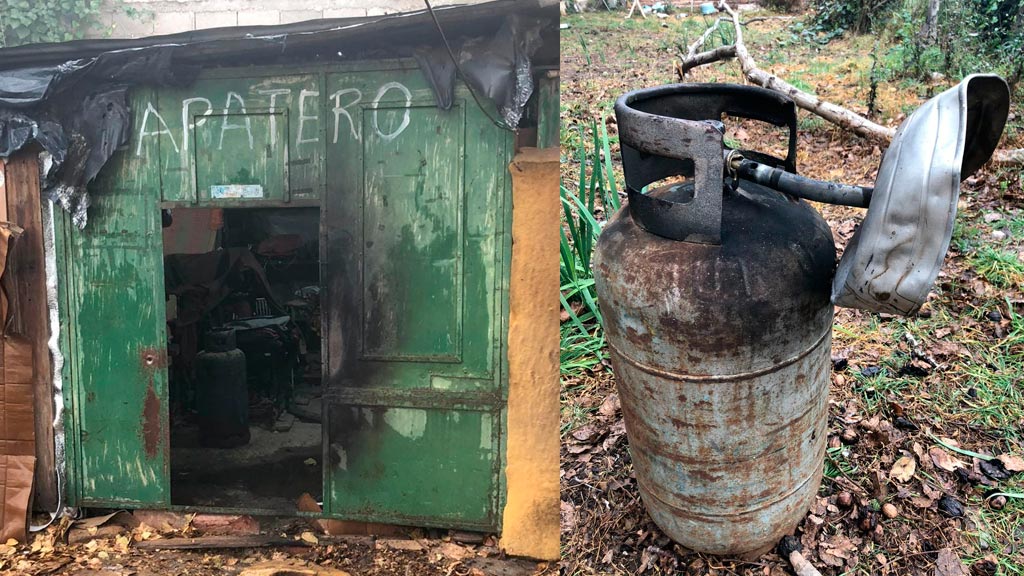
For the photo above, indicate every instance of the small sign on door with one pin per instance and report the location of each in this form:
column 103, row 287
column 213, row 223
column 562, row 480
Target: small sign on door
column 219, row 191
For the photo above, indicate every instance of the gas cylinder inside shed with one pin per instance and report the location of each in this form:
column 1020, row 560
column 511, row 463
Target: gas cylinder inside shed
column 243, row 332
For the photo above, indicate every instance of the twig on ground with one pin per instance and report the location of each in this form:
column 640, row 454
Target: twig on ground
column 789, row 548
column 718, row 54
column 1009, row 156
column 810, row 102
column 917, row 352
column 703, row 38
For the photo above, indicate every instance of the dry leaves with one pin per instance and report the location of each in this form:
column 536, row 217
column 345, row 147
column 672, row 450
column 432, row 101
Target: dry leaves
column 610, row 407
column 904, row 468
column 838, row 551
column 942, row 459
column 948, row 564
column 1011, row 463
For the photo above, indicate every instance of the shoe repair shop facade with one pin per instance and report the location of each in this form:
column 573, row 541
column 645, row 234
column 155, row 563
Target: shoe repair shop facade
column 412, row 183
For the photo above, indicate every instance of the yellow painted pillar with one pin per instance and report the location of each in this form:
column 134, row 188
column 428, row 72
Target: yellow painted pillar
column 530, row 521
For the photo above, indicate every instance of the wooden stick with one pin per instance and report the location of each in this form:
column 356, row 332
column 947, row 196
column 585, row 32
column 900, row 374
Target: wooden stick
column 1009, row 156
column 801, row 566
column 789, row 547
column 838, row 115
column 810, row 102
column 718, row 54
column 245, row 541
column 703, row 38
column 842, row 117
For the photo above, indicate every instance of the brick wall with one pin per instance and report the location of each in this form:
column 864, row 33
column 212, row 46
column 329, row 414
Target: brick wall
column 135, row 18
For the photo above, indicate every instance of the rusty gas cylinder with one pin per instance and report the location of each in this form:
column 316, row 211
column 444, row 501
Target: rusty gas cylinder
column 715, row 300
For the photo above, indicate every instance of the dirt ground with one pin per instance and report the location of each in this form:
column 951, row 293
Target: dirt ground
column 115, row 547
column 918, row 407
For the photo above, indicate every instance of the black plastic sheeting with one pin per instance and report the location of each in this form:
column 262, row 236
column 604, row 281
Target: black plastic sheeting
column 498, row 68
column 77, row 110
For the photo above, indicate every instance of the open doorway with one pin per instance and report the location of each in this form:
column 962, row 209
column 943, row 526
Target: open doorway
column 242, row 288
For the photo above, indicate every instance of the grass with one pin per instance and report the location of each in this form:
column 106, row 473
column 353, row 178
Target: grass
column 990, row 532
column 994, row 399
column 1000, row 267
column 582, row 335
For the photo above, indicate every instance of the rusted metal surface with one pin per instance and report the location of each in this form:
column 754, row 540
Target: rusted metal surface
column 151, row 428
column 676, row 130
column 151, row 362
column 722, row 359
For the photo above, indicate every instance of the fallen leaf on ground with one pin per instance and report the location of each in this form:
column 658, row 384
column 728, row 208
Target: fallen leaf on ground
column 836, row 550
column 610, row 406
column 290, row 569
column 948, row 564
column 943, row 460
column 1012, row 463
column 410, row 545
column 903, row 469
column 568, row 516
column 453, row 551
column 586, row 433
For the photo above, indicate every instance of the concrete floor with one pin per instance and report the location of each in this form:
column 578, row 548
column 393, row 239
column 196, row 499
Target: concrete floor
column 271, row 472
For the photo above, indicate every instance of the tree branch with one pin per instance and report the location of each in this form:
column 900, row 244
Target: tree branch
column 692, row 61
column 1009, row 156
column 842, row 117
column 810, row 102
column 703, row 38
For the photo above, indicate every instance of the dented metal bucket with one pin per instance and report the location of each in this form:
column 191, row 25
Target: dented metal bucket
column 720, row 346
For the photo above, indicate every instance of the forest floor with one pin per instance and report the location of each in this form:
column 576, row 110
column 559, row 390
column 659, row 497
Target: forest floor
column 937, row 390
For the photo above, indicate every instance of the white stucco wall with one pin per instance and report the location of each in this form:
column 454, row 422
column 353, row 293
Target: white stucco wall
column 135, row 18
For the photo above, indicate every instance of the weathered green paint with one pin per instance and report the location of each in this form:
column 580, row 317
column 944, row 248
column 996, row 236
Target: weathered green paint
column 415, row 214
column 412, row 229
column 62, row 229
column 396, row 468
column 548, row 122
column 416, row 242
column 117, row 343
column 241, row 129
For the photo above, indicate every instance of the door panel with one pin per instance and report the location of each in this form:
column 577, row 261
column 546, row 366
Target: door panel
column 269, row 127
column 117, row 322
column 412, row 238
column 415, row 277
column 260, row 172
column 413, row 481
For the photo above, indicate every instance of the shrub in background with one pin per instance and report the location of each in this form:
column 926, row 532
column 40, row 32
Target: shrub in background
column 969, row 36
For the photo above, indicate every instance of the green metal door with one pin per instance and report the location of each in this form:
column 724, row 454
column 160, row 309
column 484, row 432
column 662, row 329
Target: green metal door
column 416, row 235
column 415, row 224
column 113, row 284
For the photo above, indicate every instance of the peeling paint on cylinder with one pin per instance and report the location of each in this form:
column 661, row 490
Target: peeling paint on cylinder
column 721, row 354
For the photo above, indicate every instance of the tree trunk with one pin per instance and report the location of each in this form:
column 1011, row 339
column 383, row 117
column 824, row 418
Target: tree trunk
column 930, row 30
